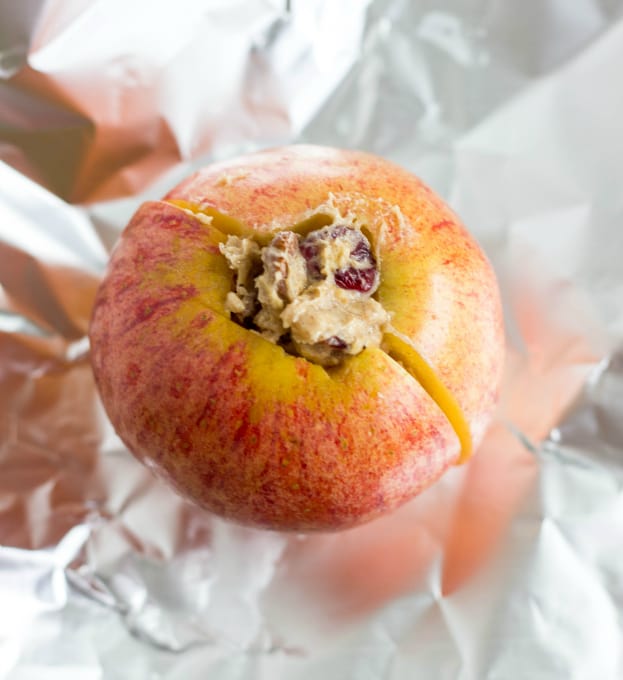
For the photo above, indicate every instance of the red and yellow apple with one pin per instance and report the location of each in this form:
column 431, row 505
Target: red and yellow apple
column 258, row 435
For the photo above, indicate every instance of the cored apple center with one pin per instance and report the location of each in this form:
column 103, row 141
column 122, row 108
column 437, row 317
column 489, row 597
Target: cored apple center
column 332, row 264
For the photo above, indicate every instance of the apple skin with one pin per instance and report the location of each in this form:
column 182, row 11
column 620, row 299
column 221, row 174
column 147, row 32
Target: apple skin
column 258, row 436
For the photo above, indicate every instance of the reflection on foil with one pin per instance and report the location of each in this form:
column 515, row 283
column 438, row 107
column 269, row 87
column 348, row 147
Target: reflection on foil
column 507, row 567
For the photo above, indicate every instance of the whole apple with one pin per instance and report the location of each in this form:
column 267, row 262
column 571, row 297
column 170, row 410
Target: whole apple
column 298, row 339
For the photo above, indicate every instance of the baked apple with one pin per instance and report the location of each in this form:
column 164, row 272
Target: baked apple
column 298, row 339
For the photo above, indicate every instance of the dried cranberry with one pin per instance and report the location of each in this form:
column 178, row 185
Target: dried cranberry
column 361, row 252
column 362, row 280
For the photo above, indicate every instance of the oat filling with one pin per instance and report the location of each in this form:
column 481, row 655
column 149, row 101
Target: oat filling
column 313, row 295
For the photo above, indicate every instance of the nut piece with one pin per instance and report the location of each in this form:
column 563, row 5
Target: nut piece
column 284, row 278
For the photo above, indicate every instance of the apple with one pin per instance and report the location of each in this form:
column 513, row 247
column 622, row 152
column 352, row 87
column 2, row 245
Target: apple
column 242, row 425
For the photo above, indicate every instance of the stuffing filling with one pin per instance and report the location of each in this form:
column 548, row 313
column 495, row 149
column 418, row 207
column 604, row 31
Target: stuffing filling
column 313, row 295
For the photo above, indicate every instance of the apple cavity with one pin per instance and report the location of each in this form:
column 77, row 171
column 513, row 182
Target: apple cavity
column 298, row 339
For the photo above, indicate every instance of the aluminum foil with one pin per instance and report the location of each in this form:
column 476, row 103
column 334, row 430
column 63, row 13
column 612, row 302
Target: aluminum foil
column 509, row 567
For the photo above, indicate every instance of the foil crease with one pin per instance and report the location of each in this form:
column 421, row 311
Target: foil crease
column 507, row 568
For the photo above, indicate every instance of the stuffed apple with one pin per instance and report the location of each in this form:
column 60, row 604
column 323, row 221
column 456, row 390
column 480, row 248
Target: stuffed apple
column 302, row 338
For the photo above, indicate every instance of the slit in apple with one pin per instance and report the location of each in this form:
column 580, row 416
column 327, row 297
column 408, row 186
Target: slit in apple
column 401, row 350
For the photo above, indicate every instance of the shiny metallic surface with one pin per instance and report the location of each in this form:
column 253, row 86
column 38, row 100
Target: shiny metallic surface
column 507, row 568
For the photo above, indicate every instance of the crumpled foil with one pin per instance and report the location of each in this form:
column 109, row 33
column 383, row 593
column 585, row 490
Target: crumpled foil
column 509, row 567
